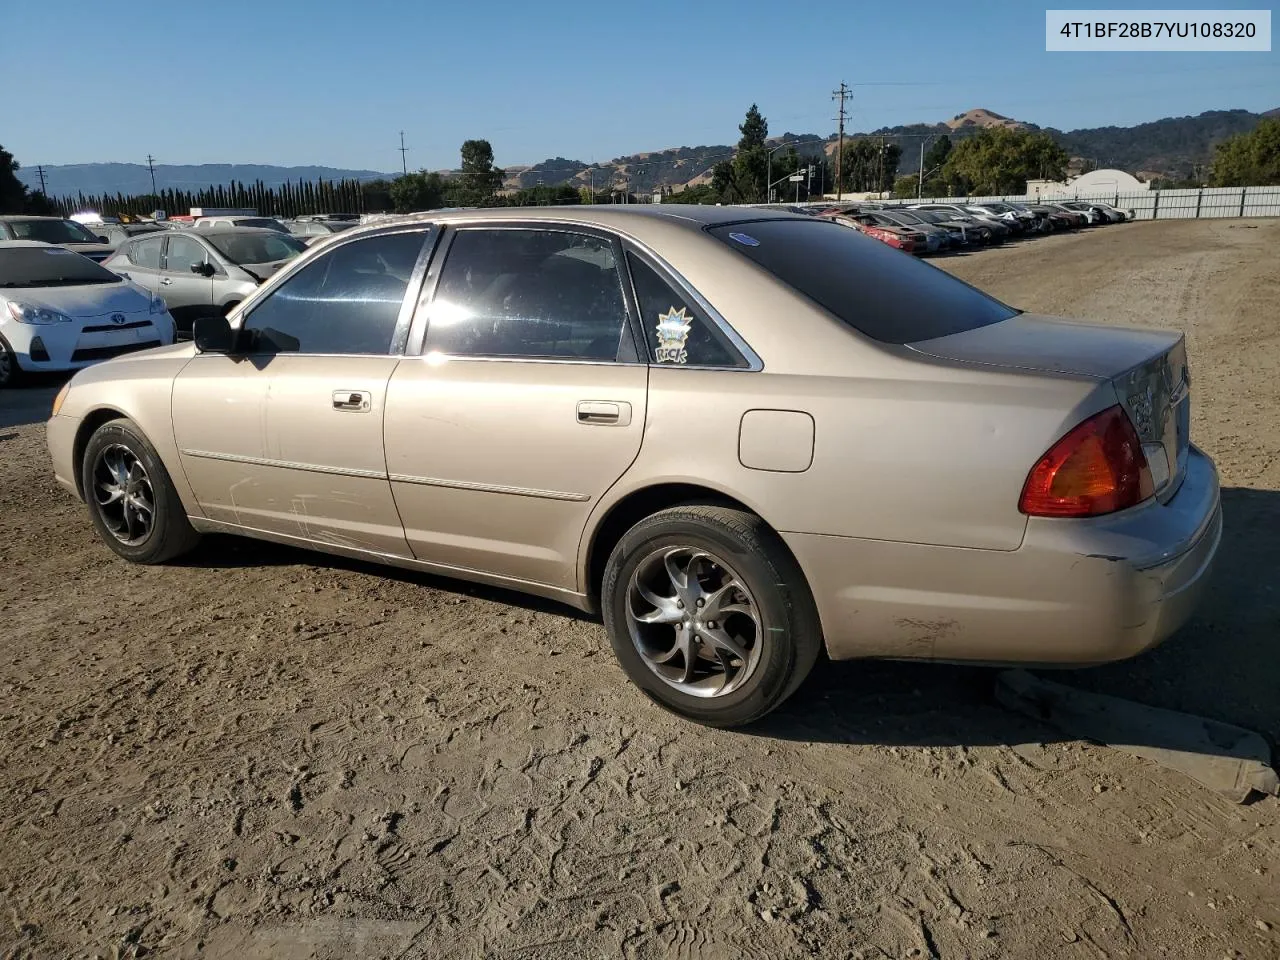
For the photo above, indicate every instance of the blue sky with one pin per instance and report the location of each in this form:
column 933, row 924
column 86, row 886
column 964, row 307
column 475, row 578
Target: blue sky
column 333, row 81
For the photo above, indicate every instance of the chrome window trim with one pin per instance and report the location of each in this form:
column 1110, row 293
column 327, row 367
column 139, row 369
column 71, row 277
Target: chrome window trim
column 490, row 488
column 286, row 464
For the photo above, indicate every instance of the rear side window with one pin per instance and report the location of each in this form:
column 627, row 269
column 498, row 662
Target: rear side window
column 534, row 294
column 883, row 293
column 677, row 330
column 146, row 253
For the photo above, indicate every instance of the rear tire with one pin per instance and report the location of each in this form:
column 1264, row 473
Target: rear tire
column 709, row 614
column 132, row 500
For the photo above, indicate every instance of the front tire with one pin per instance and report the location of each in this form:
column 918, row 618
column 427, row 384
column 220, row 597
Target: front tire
column 132, row 501
column 709, row 614
column 10, row 373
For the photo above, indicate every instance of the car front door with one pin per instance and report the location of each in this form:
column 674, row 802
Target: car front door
column 188, row 293
column 286, row 436
column 526, row 403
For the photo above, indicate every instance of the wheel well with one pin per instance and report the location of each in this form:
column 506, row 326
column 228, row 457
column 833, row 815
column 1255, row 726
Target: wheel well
column 633, row 508
column 88, row 425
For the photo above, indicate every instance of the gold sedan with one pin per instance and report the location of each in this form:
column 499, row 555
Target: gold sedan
column 738, row 435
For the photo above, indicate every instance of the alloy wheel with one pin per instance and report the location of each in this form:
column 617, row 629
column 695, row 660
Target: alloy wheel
column 123, row 494
column 693, row 621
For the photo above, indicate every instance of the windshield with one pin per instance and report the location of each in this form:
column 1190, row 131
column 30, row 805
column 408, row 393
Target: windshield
column 998, row 207
column 887, row 295
column 49, row 267
column 51, row 231
column 255, row 248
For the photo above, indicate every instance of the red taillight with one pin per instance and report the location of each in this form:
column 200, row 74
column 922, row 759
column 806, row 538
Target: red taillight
column 1097, row 468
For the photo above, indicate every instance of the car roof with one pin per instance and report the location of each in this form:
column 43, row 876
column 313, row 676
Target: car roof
column 229, row 232
column 6, row 244
column 23, row 218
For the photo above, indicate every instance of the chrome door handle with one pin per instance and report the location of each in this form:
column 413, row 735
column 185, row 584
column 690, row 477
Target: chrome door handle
column 604, row 413
column 353, row 400
column 165, row 281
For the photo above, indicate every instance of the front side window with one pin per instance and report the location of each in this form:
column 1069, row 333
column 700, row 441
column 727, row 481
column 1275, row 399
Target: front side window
column 677, row 330
column 344, row 302
column 253, row 248
column 146, row 253
column 184, row 253
column 529, row 293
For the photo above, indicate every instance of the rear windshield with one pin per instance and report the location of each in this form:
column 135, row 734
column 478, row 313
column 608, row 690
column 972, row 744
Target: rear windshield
column 49, row 267
column 256, row 247
column 888, row 295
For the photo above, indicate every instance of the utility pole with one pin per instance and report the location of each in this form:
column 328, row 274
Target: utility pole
column 40, row 171
column 404, row 151
column 840, row 95
column 151, row 166
column 920, row 188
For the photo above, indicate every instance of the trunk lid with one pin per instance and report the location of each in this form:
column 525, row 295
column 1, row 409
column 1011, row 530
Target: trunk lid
column 1148, row 369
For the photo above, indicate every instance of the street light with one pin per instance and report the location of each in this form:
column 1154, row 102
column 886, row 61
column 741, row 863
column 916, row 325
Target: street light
column 768, row 176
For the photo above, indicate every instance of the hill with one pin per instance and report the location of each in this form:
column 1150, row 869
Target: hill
column 1173, row 146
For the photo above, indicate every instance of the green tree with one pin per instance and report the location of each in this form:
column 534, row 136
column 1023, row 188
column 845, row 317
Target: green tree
column 543, row 196
column 702, row 193
column 906, row 186
column 1001, row 160
column 417, row 191
column 376, row 195
column 13, row 195
column 479, row 181
column 937, row 154
column 871, row 165
column 39, row 205
column 751, row 163
column 1249, row 159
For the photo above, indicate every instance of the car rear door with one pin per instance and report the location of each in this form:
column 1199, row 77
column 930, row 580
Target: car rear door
column 526, row 404
column 286, row 438
column 139, row 260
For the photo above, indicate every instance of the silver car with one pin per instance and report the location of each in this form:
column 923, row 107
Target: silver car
column 203, row 273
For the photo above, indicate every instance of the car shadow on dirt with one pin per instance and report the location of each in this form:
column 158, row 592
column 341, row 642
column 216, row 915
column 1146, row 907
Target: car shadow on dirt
column 31, row 401
column 1224, row 664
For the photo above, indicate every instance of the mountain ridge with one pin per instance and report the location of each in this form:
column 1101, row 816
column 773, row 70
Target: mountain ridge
column 1171, row 146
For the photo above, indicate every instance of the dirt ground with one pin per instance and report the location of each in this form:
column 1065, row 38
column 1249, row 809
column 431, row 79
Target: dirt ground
column 267, row 753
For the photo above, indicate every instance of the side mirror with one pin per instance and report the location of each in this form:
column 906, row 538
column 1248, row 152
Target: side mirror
column 203, row 269
column 213, row 335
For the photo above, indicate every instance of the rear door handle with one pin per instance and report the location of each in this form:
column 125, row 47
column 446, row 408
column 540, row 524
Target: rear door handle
column 605, row 413
column 356, row 401
column 165, row 281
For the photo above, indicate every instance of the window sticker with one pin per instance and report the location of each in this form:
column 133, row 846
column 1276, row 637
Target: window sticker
column 673, row 331
column 745, row 239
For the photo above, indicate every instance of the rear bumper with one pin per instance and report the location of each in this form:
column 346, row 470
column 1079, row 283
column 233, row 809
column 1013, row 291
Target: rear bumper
column 1076, row 592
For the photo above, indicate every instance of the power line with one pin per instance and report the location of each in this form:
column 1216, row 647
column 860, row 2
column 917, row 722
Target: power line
column 151, row 166
column 40, row 172
column 840, row 95
column 404, row 152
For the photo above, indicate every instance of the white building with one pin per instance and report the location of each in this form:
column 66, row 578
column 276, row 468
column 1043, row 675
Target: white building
column 1096, row 183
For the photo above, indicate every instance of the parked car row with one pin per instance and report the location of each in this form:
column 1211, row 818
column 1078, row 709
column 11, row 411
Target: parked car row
column 925, row 228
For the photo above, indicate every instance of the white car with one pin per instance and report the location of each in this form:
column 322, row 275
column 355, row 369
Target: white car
column 61, row 311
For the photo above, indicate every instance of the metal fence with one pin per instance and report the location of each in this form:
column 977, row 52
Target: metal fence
column 1151, row 204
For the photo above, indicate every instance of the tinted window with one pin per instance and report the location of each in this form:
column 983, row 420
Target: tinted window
column 881, row 292
column 676, row 329
column 346, row 301
column 183, row 252
column 49, row 267
column 51, row 231
column 529, row 293
column 146, row 253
